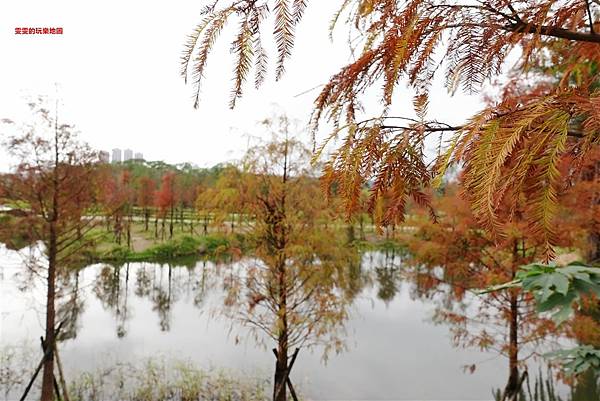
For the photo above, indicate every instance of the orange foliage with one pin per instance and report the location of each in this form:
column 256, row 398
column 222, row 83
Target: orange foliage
column 453, row 258
column 511, row 150
column 165, row 197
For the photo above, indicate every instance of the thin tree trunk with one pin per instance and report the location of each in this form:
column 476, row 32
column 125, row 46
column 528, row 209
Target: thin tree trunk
column 48, row 373
column 61, row 376
column 594, row 247
column 289, row 368
column 513, row 386
column 362, row 227
column 350, row 236
column 129, row 220
column 118, row 227
column 171, row 223
column 279, row 390
column 79, row 227
column 279, row 244
column 593, row 254
column 280, row 375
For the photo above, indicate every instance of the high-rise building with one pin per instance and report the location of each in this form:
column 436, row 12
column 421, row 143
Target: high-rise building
column 104, row 156
column 139, row 156
column 116, row 155
column 127, row 155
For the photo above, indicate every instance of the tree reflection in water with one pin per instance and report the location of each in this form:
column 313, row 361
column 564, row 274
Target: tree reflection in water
column 165, row 285
column 111, row 288
column 162, row 285
column 388, row 275
column 70, row 305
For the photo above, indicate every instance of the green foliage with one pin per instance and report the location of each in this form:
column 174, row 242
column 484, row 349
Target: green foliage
column 183, row 247
column 117, row 252
column 13, row 232
column 213, row 246
column 156, row 169
column 578, row 360
column 556, row 289
column 216, row 244
column 384, row 245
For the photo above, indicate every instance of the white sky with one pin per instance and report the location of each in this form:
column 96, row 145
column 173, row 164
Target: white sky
column 117, row 65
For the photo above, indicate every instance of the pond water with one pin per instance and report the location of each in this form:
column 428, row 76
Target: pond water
column 138, row 310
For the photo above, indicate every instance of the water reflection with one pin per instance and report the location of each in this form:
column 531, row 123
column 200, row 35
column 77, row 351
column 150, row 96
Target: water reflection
column 387, row 273
column 161, row 285
column 140, row 309
column 113, row 294
column 70, row 306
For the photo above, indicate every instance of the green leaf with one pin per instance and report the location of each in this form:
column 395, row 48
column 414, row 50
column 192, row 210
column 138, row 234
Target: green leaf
column 561, row 283
column 583, row 287
column 563, row 314
column 547, row 284
column 554, row 301
column 577, row 360
column 555, row 289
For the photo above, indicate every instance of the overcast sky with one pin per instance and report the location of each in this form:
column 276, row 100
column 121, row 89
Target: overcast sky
column 117, row 65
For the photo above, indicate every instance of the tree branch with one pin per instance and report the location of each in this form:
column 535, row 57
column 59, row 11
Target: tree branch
column 425, row 128
column 525, row 28
column 590, row 18
column 545, row 30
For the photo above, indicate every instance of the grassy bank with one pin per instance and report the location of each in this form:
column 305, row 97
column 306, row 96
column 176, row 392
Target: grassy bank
column 212, row 246
column 100, row 244
column 379, row 245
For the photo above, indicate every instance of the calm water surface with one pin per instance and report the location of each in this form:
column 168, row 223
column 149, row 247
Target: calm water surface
column 141, row 310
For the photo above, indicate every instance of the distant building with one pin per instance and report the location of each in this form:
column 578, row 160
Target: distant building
column 127, row 155
column 139, row 156
column 116, row 155
column 104, row 156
